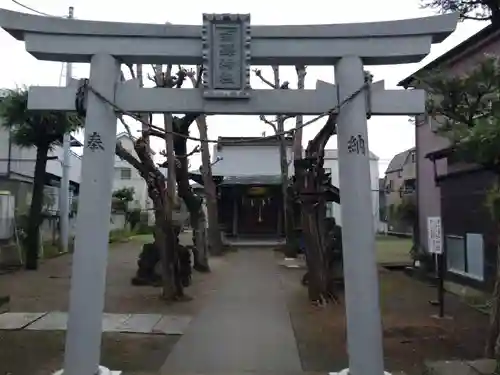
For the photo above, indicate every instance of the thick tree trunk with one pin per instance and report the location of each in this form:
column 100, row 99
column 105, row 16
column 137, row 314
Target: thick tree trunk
column 164, row 235
column 292, row 241
column 32, row 244
column 311, row 192
column 495, row 12
column 320, row 284
column 164, row 238
column 493, row 341
column 192, row 201
column 200, row 238
column 214, row 234
column 284, row 180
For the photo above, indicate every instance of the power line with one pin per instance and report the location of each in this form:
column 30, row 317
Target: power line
column 81, row 93
column 35, row 10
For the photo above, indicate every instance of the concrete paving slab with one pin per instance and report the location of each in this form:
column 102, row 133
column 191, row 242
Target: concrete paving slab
column 139, row 323
column 244, row 327
column 53, row 321
column 172, row 325
column 18, row 320
column 113, row 322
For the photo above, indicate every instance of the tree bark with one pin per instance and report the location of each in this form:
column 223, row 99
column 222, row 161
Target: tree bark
column 493, row 341
column 292, row 239
column 35, row 214
column 280, row 127
column 164, row 232
column 192, row 201
column 163, row 237
column 214, row 234
column 320, row 286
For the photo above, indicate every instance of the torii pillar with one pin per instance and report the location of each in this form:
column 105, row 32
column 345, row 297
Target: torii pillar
column 364, row 324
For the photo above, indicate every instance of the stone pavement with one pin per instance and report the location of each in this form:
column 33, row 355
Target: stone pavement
column 124, row 323
column 245, row 326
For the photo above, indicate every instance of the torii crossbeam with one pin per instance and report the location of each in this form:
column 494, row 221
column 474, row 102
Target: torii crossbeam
column 131, row 98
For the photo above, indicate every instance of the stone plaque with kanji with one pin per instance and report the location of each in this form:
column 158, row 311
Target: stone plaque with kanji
column 226, row 56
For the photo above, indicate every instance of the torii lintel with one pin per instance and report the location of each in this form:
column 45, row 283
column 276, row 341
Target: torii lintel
column 377, row 43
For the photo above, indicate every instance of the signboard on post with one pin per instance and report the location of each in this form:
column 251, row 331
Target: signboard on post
column 434, row 235
column 226, row 56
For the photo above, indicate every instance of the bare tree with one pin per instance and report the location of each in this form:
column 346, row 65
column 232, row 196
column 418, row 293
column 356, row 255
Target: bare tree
column 294, row 209
column 214, row 234
column 278, row 127
column 311, row 193
column 165, row 236
column 299, row 120
column 180, row 131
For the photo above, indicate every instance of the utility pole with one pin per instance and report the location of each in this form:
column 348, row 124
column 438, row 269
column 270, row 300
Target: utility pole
column 64, row 188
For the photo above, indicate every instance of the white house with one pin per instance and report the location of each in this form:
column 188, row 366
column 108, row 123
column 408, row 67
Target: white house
column 126, row 176
column 17, row 167
column 331, row 166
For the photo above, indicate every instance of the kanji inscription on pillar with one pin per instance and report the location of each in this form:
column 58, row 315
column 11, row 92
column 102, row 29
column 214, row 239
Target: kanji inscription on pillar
column 356, row 145
column 94, row 142
column 226, row 56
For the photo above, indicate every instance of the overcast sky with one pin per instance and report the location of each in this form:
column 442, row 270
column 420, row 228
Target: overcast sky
column 387, row 135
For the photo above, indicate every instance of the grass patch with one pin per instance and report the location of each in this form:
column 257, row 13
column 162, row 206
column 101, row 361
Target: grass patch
column 393, row 250
column 144, row 238
column 120, row 235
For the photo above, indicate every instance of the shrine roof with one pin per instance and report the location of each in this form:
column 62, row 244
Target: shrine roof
column 252, row 180
column 250, row 141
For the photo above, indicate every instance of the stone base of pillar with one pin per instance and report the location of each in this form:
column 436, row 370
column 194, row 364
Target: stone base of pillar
column 102, row 371
column 346, row 372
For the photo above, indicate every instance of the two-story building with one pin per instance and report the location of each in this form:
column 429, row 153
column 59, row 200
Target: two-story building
column 331, row 166
column 17, row 168
column 400, row 179
column 452, row 190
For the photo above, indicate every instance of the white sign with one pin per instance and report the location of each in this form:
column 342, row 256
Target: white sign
column 434, row 235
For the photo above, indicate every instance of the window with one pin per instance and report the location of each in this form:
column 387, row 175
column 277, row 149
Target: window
column 474, row 246
column 399, row 173
column 328, row 172
column 455, row 254
column 125, row 173
column 329, row 209
column 465, row 256
column 413, row 157
column 389, row 187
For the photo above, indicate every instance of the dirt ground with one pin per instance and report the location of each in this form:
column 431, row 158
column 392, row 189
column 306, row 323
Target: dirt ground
column 411, row 335
column 48, row 290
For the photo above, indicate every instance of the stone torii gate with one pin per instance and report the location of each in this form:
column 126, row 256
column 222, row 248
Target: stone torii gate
column 226, row 45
